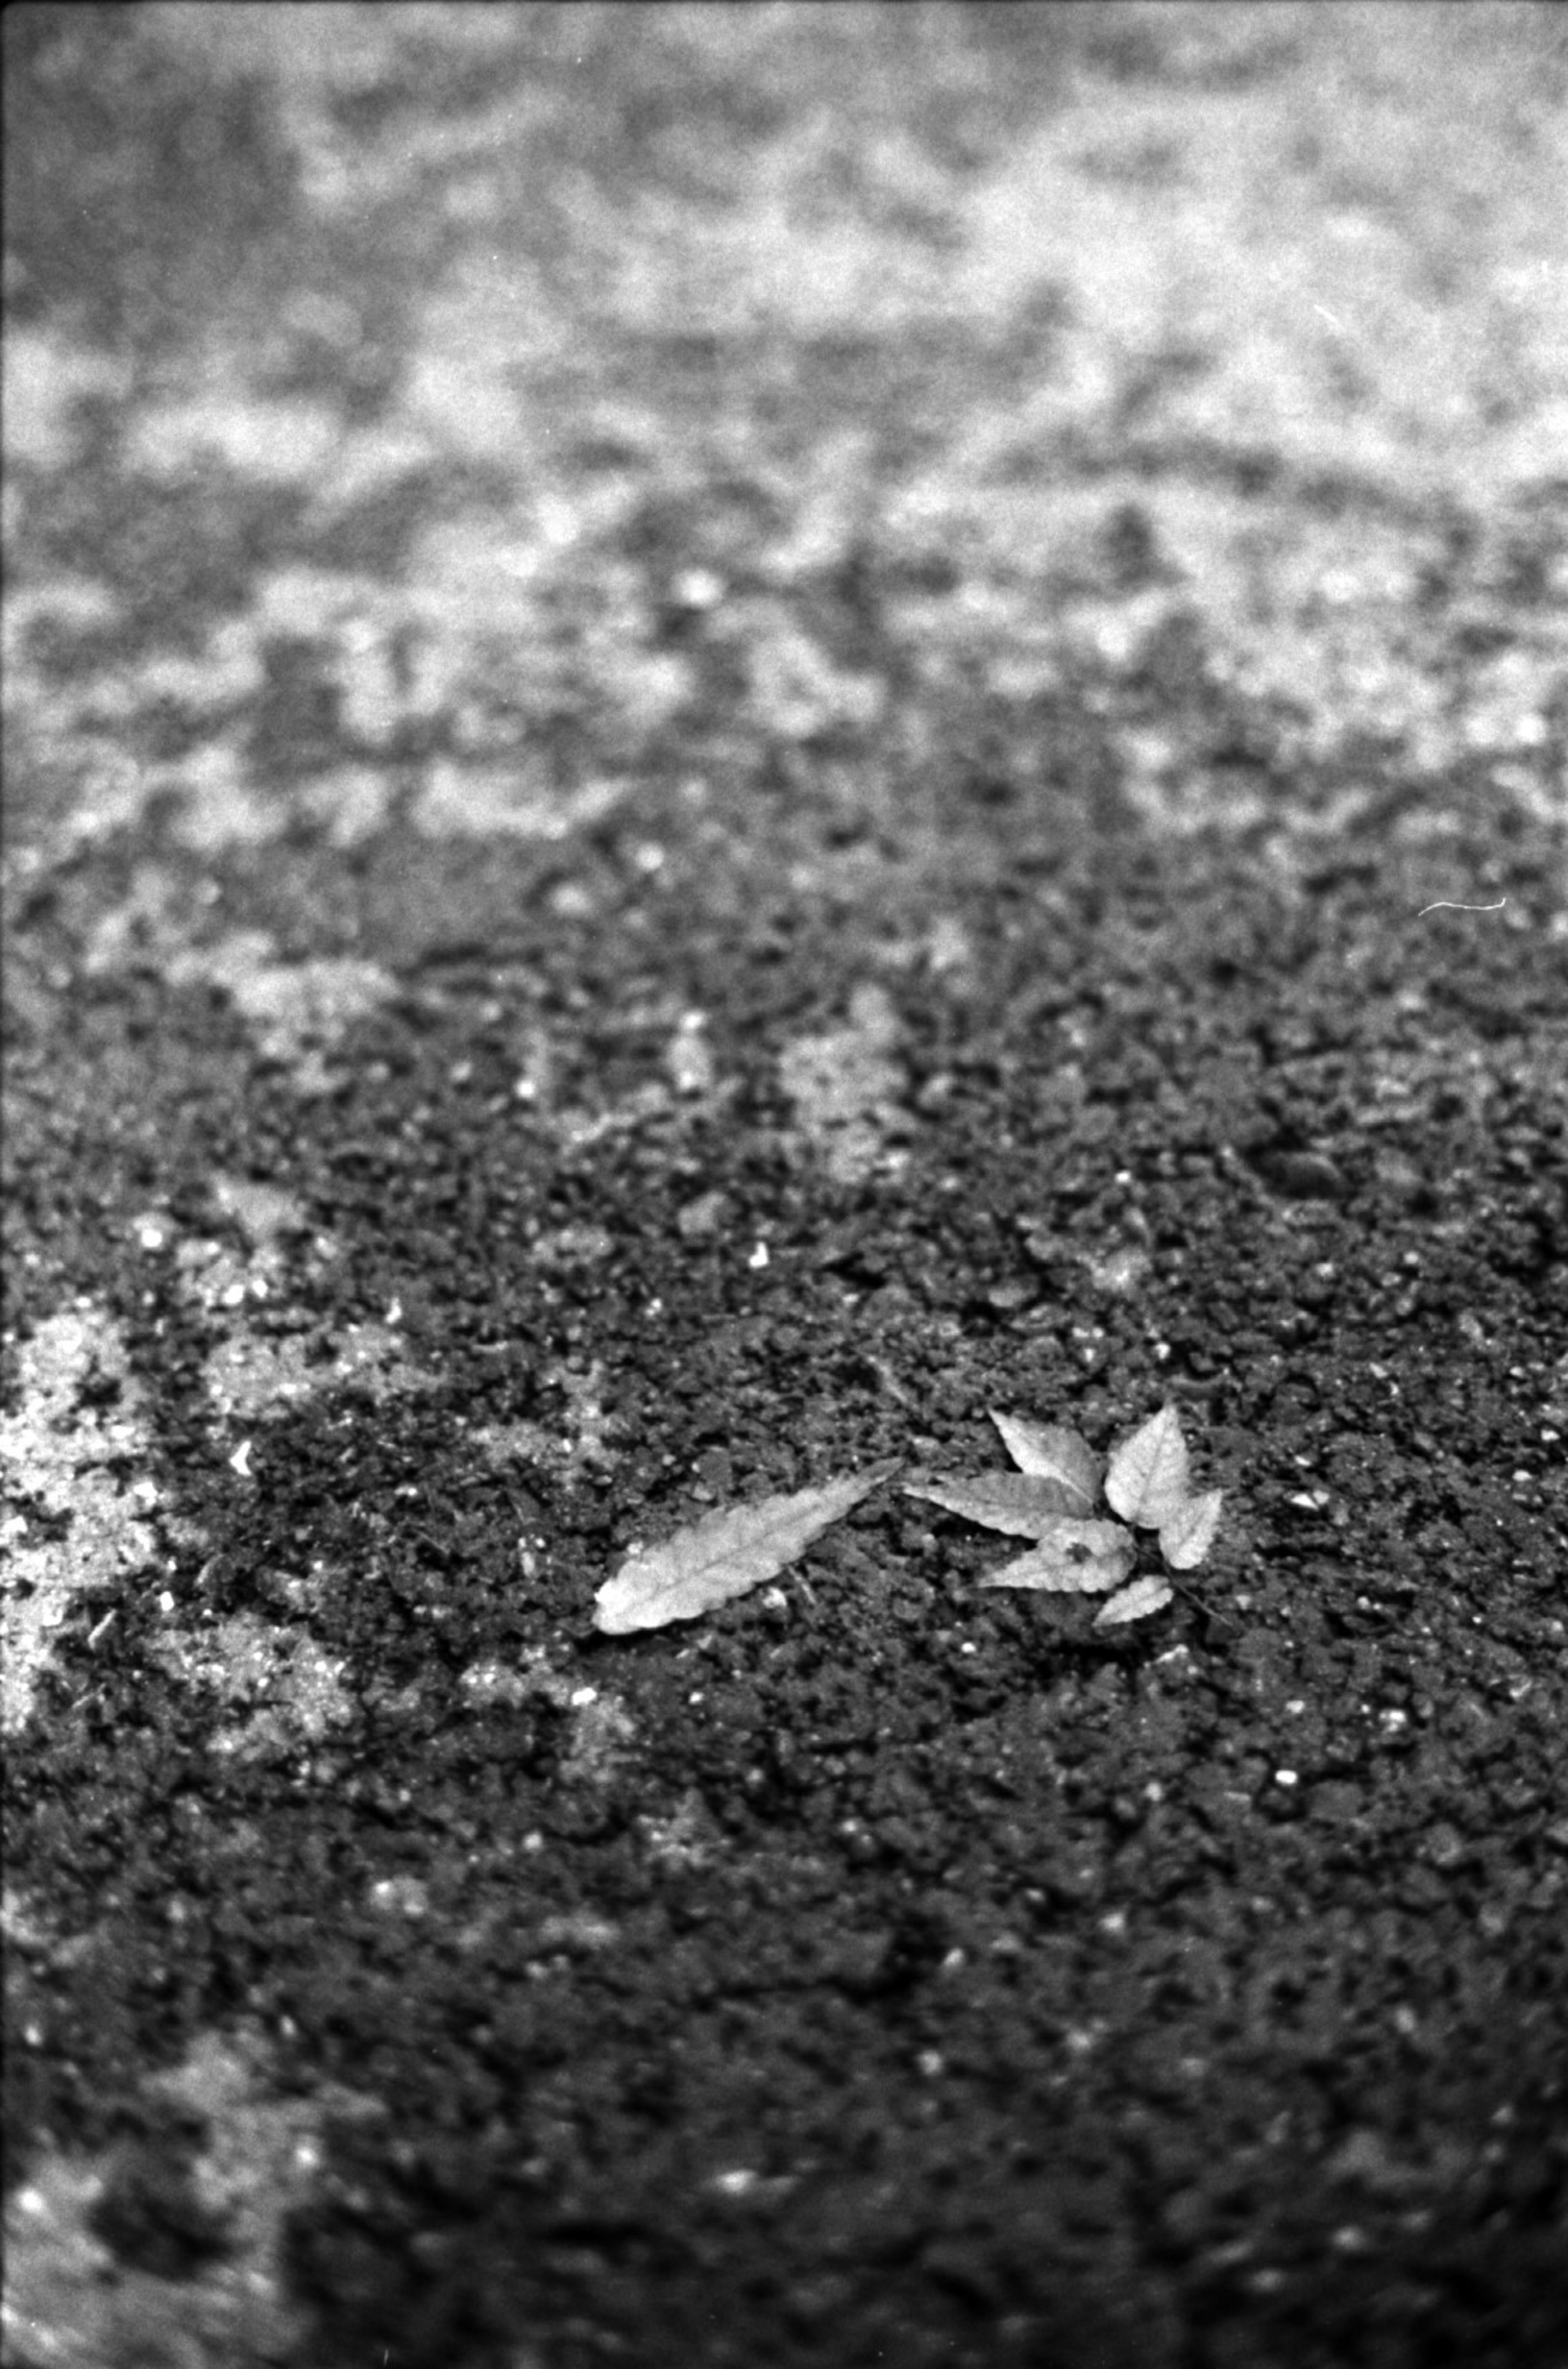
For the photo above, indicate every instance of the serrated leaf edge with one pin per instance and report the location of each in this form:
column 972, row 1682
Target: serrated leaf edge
column 1088, row 1578
column 638, row 1595
column 1153, row 1585
column 1148, row 1497
column 956, row 1496
column 1052, row 1451
column 1206, row 1506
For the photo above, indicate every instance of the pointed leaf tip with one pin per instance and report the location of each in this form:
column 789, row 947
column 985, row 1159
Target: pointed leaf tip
column 1146, row 1481
column 1052, row 1452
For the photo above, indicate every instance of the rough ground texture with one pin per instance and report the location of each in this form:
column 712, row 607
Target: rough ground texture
column 728, row 730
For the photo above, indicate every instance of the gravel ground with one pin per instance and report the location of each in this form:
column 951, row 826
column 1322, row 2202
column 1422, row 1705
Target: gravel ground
column 732, row 733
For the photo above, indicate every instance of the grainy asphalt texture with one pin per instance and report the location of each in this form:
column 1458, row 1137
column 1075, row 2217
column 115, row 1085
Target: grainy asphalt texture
column 733, row 732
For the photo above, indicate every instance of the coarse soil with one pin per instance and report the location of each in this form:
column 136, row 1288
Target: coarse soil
column 732, row 733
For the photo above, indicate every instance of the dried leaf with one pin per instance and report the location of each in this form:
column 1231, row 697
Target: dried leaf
column 1186, row 1535
column 1146, row 1482
column 1076, row 1557
column 1132, row 1603
column 1023, row 1504
column 1053, row 1452
column 724, row 1555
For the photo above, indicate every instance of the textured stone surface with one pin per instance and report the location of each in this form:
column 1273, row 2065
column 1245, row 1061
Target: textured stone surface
column 727, row 735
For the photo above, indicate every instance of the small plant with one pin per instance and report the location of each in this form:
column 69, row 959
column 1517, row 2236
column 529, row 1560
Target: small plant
column 1051, row 1497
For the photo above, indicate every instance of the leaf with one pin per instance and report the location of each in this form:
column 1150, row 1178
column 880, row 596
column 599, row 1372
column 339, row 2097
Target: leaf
column 724, row 1555
column 1132, row 1603
column 1023, row 1504
column 1077, row 1557
column 1054, row 1453
column 1147, row 1479
column 1186, row 1535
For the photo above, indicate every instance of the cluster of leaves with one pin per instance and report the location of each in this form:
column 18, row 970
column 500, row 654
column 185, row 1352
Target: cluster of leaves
column 1050, row 1499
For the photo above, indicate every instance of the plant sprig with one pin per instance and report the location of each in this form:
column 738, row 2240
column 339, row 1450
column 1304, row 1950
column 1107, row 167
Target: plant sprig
column 1051, row 1499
